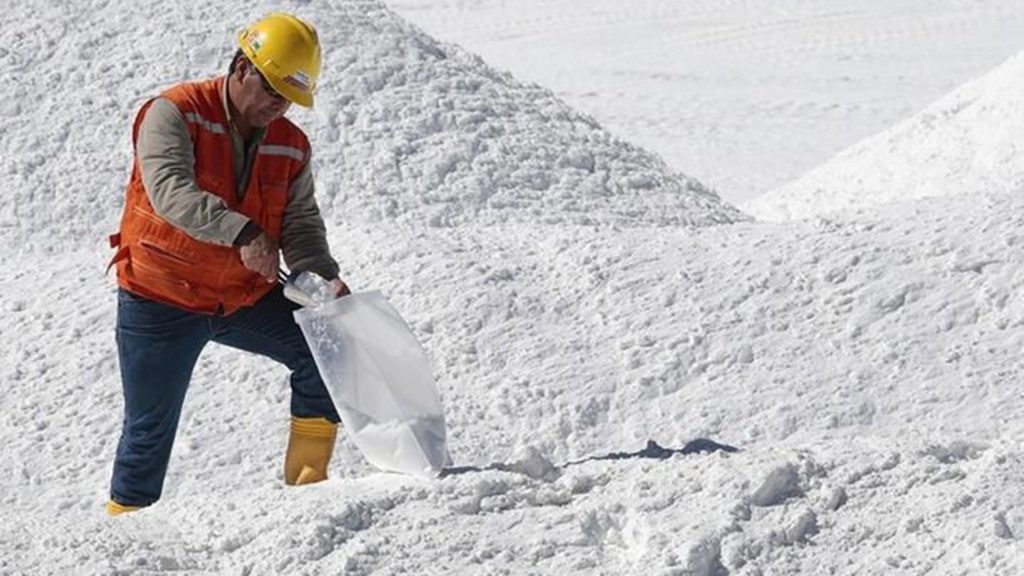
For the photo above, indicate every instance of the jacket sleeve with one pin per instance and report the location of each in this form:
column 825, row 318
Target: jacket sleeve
column 303, row 235
column 167, row 161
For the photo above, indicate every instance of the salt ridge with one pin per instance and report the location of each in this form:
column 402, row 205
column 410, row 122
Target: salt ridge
column 967, row 142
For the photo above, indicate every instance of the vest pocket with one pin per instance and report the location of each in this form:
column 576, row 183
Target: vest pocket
column 153, row 263
column 165, row 254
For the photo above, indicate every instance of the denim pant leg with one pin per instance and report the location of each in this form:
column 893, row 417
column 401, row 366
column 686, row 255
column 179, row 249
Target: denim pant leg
column 158, row 346
column 269, row 329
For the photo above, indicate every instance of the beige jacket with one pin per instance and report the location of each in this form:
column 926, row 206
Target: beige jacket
column 166, row 159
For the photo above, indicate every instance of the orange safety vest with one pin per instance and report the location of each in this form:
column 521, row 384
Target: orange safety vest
column 158, row 261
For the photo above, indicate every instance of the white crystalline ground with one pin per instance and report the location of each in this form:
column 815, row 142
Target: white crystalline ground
column 868, row 366
column 872, row 380
column 965, row 143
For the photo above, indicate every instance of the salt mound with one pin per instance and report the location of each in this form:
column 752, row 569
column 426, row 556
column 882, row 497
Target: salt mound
column 405, row 129
column 965, row 143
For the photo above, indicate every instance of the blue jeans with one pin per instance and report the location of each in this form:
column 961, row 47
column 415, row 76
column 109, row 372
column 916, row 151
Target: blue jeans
column 158, row 346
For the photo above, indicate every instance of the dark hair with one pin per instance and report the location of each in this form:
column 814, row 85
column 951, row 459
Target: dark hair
column 234, row 61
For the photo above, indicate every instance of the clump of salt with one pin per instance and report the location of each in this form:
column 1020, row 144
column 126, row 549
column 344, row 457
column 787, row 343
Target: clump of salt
column 314, row 286
column 532, row 463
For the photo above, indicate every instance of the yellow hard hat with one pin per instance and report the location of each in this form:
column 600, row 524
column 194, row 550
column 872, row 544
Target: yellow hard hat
column 286, row 51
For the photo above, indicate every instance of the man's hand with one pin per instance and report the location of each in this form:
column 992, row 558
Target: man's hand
column 261, row 256
column 340, row 288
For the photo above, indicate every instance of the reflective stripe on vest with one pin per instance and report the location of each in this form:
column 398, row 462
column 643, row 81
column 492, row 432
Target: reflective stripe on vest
column 209, row 125
column 275, row 150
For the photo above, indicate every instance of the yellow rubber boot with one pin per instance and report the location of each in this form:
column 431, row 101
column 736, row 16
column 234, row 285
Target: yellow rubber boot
column 115, row 509
column 310, row 445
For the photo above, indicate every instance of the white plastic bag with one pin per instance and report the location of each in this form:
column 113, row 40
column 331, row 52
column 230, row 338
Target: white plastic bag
column 380, row 380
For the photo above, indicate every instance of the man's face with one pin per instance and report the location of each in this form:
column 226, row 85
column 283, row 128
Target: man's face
column 257, row 101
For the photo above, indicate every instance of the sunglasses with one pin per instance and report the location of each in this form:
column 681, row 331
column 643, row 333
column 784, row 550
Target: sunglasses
column 267, row 87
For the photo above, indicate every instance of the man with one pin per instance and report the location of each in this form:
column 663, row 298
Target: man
column 221, row 186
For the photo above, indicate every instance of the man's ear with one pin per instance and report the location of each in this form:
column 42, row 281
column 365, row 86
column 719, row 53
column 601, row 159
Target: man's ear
column 242, row 68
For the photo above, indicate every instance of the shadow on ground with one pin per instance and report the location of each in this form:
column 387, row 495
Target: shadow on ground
column 652, row 451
